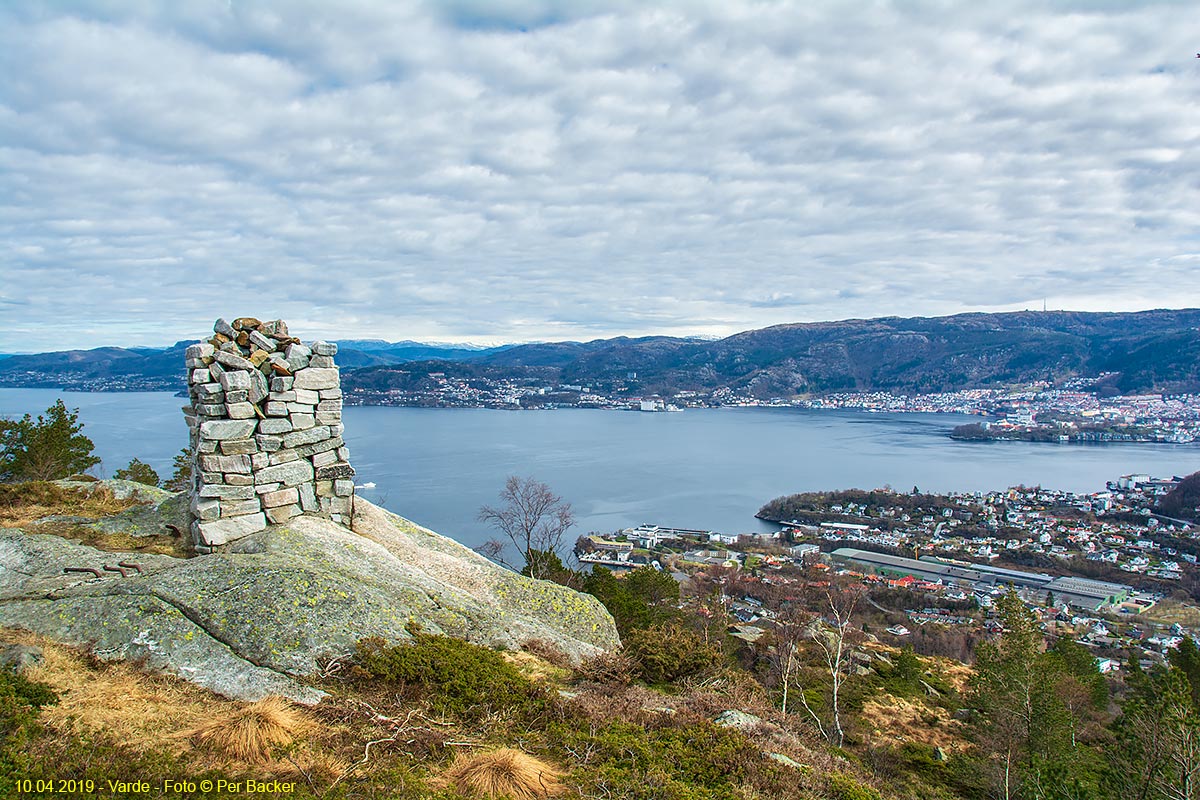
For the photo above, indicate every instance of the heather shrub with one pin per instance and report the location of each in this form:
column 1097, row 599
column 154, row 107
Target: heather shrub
column 843, row 787
column 666, row 653
column 21, row 700
column 609, row 668
column 454, row 677
column 686, row 762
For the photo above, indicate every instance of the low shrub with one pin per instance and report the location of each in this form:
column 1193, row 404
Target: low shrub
column 686, row 762
column 456, row 678
column 844, row 787
column 666, row 653
column 21, row 701
column 616, row 669
column 138, row 471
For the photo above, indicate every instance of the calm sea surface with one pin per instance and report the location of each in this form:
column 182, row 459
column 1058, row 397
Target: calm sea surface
column 708, row 469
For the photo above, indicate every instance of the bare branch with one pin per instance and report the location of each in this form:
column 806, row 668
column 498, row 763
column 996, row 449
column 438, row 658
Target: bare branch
column 531, row 516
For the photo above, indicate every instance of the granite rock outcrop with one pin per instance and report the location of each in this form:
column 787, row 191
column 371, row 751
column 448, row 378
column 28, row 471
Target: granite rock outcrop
column 263, row 613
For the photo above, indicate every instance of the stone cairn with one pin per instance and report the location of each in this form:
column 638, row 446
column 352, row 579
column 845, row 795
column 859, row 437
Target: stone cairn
column 266, row 432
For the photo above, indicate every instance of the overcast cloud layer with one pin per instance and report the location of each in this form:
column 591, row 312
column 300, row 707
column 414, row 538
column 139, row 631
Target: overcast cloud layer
column 508, row 171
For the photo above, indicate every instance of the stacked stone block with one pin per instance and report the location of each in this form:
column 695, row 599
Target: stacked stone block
column 266, row 432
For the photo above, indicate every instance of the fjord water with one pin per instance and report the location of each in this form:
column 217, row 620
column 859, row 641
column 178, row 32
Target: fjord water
column 708, row 469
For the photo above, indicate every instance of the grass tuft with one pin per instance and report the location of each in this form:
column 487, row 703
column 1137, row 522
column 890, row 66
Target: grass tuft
column 250, row 733
column 506, row 773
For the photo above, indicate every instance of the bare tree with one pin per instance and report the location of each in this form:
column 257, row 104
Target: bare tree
column 834, row 637
column 530, row 516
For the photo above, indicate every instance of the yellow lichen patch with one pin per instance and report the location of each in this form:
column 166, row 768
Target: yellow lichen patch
column 142, row 711
column 896, row 720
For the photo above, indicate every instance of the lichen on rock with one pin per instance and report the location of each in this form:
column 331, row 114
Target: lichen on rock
column 254, row 619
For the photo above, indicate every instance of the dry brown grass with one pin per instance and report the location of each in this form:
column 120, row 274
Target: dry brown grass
column 251, row 733
column 895, row 720
column 117, row 542
column 1169, row 612
column 23, row 503
column 548, row 651
column 147, row 712
column 535, row 668
column 28, row 505
column 504, row 773
column 955, row 673
column 139, row 710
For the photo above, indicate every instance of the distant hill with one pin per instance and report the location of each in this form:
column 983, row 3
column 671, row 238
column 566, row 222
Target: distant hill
column 101, row 368
column 354, row 353
column 1183, row 502
column 1145, row 350
column 152, row 369
column 1148, row 350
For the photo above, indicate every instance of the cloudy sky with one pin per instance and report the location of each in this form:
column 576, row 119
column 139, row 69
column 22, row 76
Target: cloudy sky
column 515, row 171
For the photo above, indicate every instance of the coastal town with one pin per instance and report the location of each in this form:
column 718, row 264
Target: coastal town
column 1103, row 567
column 1077, row 410
column 1072, row 412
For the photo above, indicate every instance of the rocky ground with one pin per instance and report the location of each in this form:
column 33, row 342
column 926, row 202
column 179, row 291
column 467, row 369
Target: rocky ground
column 258, row 618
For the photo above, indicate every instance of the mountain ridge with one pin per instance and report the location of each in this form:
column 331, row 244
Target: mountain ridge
column 1146, row 350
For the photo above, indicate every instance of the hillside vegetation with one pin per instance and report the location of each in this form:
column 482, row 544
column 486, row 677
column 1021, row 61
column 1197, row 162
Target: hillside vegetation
column 1147, row 350
column 1183, row 502
column 813, row 709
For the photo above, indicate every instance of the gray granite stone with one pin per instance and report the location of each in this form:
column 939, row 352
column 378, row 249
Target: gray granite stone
column 227, row 429
column 234, row 447
column 275, row 425
column 224, row 328
column 201, row 350
column 302, row 421
column 289, row 474
column 235, row 380
column 232, row 361
column 227, row 492
column 313, row 378
column 239, row 508
column 240, row 410
column 282, row 497
column 262, row 342
column 222, row 531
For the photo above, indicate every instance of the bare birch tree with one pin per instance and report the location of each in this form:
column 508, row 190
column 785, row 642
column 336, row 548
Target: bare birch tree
column 833, row 636
column 532, row 518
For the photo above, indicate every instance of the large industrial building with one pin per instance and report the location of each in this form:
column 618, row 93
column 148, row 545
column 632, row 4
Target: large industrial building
column 1083, row 593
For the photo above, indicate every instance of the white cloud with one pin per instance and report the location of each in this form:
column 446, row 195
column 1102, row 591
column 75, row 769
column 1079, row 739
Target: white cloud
column 533, row 170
